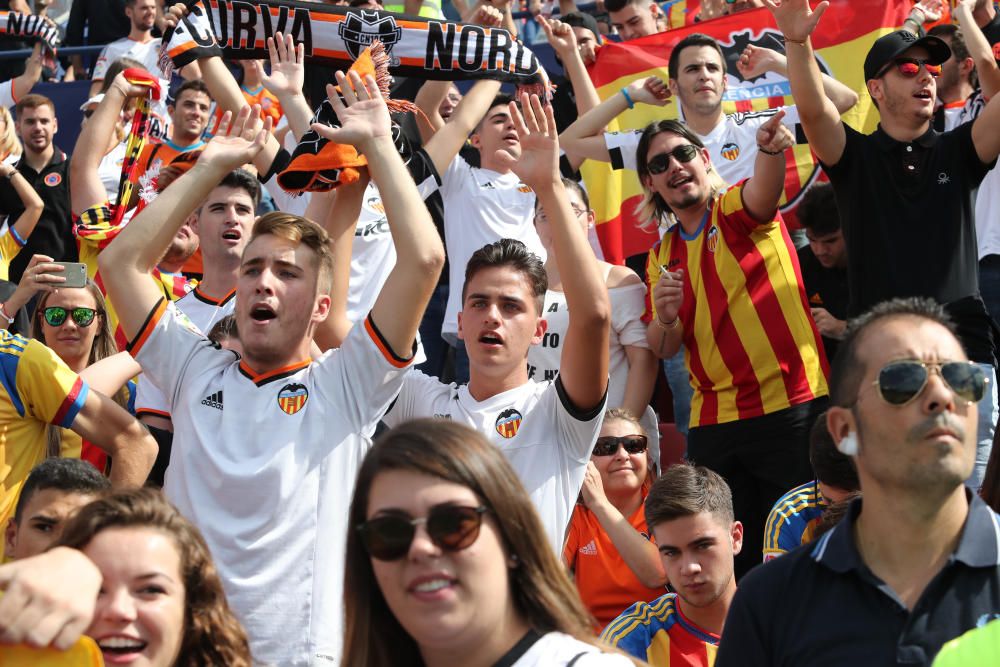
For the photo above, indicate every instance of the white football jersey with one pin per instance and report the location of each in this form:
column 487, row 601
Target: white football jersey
column 547, row 441
column 264, row 465
column 732, row 144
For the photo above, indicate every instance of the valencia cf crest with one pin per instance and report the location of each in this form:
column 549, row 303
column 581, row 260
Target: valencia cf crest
column 712, row 239
column 508, row 422
column 360, row 28
column 730, row 151
column 292, row 398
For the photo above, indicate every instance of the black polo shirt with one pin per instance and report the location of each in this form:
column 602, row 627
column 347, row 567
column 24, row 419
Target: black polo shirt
column 992, row 29
column 907, row 210
column 825, row 288
column 821, row 606
column 53, row 235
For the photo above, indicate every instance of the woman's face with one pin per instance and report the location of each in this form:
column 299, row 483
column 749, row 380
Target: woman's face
column 621, row 471
column 583, row 215
column 139, row 619
column 70, row 340
column 442, row 598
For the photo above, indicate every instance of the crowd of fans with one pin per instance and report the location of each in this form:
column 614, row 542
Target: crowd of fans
column 410, row 420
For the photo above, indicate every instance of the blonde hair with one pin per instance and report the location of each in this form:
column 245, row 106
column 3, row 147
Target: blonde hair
column 302, row 231
column 9, row 145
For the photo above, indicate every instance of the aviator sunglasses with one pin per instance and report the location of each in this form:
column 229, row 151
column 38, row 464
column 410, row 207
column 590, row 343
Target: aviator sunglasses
column 56, row 315
column 450, row 527
column 900, row 382
column 608, row 445
column 910, row 67
column 660, row 162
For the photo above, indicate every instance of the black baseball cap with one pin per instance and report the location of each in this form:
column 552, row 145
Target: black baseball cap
column 581, row 20
column 888, row 47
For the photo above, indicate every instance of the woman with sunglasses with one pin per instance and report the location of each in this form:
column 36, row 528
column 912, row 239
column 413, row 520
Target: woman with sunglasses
column 608, row 549
column 632, row 366
column 73, row 323
column 447, row 562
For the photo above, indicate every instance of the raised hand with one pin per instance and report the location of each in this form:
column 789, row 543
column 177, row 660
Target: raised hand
column 173, row 15
column 487, row 16
column 593, row 487
column 794, row 18
column 362, row 112
column 536, row 130
column 128, row 88
column 238, row 140
column 288, row 70
column 651, row 90
column 560, row 36
column 774, row 137
column 668, row 295
column 931, row 9
column 41, row 275
column 757, row 61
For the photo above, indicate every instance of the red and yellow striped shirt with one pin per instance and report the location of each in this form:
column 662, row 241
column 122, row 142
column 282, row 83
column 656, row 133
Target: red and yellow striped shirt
column 750, row 344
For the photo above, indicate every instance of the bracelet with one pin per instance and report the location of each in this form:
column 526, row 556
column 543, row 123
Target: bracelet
column 767, row 152
column 628, row 98
column 668, row 326
column 4, row 315
column 800, row 42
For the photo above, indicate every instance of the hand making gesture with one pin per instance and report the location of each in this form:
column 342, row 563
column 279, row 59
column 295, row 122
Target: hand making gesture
column 363, row 115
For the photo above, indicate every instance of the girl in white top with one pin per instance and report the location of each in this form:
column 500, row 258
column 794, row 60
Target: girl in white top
column 632, row 366
column 447, row 562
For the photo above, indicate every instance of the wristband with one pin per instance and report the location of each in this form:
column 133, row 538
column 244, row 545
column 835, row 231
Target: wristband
column 767, row 152
column 628, row 98
column 800, row 42
column 668, row 326
column 4, row 315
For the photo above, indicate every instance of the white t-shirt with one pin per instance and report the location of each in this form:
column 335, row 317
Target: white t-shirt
column 481, row 206
column 264, row 466
column 110, row 171
column 203, row 311
column 732, row 144
column 556, row 649
column 547, row 441
column 147, row 53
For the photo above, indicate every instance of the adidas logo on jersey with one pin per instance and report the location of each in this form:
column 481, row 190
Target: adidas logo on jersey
column 213, row 400
column 589, row 549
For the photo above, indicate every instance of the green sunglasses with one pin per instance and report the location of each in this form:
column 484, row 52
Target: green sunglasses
column 56, row 315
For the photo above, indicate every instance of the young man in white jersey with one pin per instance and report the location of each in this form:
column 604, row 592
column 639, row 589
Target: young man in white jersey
column 546, row 429
column 267, row 446
column 697, row 71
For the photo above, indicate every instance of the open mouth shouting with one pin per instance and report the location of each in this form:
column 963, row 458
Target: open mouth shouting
column 491, row 339
column 262, row 313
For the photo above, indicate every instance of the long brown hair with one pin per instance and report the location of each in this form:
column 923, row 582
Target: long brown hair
column 104, row 346
column 541, row 592
column 212, row 634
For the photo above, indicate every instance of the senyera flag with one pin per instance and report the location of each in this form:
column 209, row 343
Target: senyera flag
column 842, row 39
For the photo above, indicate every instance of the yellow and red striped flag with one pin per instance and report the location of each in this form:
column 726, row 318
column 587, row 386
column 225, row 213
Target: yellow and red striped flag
column 842, row 39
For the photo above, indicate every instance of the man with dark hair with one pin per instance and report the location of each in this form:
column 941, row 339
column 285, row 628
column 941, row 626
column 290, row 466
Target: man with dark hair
column 796, row 515
column 958, row 85
column 758, row 375
column 689, row 511
column 546, row 429
column 635, row 18
column 905, row 192
column 824, row 264
column 46, row 168
column 54, row 491
column 918, row 561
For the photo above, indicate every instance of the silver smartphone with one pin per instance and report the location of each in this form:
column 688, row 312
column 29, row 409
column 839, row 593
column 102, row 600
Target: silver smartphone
column 75, row 274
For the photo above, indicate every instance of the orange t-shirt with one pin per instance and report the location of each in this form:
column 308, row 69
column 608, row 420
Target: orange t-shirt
column 606, row 583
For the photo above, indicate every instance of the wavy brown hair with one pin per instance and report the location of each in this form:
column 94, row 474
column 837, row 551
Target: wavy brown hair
column 542, row 593
column 212, row 635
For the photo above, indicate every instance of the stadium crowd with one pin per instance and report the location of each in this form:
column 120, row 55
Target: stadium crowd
column 301, row 367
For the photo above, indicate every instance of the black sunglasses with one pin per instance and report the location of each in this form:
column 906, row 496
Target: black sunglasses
column 607, row 445
column 660, row 162
column 56, row 315
column 900, row 382
column 450, row 527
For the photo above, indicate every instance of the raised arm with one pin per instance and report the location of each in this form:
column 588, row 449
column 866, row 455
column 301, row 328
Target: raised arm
column 23, row 84
column 400, row 305
column 286, row 79
column 584, row 139
column 979, row 49
column 25, row 223
column 756, row 61
column 446, row 142
column 819, row 116
column 107, row 425
column 127, row 261
column 763, row 191
column 111, row 373
column 584, row 362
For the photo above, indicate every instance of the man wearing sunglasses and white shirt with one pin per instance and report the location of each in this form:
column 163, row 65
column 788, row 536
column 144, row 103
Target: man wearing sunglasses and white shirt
column 917, row 561
column 905, row 192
